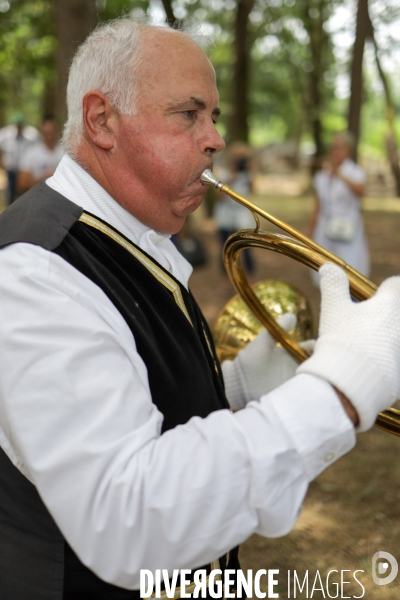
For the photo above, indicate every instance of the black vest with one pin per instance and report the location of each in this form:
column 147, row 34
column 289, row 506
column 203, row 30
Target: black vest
column 173, row 340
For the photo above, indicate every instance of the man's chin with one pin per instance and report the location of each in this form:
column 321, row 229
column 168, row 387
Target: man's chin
column 188, row 206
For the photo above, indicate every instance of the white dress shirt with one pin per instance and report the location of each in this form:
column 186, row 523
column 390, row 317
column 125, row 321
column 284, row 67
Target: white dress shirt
column 12, row 148
column 39, row 160
column 77, row 419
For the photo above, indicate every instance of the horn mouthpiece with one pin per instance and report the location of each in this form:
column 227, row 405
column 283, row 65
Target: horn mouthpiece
column 207, row 178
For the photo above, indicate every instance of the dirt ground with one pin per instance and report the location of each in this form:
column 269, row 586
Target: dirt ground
column 352, row 510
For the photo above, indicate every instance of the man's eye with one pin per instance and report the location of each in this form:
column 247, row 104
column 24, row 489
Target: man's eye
column 190, row 114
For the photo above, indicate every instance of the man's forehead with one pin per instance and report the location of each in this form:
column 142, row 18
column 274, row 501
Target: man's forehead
column 164, row 48
column 175, row 70
column 156, row 36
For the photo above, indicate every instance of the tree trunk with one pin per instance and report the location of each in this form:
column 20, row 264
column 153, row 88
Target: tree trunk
column 363, row 31
column 315, row 116
column 49, row 99
column 2, row 103
column 391, row 145
column 75, row 19
column 314, row 100
column 393, row 156
column 239, row 127
column 170, row 17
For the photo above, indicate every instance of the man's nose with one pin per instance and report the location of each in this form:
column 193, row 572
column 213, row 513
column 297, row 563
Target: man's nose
column 211, row 142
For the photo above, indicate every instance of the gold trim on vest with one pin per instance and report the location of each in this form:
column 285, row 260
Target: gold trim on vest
column 158, row 273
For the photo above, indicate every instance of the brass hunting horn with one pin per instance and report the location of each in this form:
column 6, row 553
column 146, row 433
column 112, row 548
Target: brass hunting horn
column 300, row 248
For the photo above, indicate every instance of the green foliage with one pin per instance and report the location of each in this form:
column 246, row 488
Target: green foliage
column 286, row 45
column 289, row 46
column 334, row 122
column 28, row 48
column 373, row 120
column 27, row 56
column 112, row 9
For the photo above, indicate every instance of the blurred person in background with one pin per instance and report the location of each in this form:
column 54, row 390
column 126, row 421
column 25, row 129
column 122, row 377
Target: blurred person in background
column 336, row 221
column 41, row 159
column 13, row 145
column 229, row 215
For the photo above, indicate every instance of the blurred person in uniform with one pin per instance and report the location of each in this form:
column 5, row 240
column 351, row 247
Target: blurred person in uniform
column 336, row 221
column 228, row 214
column 41, row 159
column 12, row 147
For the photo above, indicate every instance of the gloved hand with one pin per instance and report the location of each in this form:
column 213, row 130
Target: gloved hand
column 358, row 349
column 260, row 367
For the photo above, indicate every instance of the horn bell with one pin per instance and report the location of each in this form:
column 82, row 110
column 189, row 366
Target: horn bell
column 299, row 247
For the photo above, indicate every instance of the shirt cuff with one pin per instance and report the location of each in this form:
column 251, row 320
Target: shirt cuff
column 315, row 420
column 234, row 385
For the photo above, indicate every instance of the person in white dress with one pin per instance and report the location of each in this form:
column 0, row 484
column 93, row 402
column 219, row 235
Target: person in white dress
column 336, row 222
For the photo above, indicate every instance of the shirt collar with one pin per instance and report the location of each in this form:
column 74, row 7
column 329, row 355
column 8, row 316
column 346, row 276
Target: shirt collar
column 73, row 182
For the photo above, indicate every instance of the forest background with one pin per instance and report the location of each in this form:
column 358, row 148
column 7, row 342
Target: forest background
column 288, row 71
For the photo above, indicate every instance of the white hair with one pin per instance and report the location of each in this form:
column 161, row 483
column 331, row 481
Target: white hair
column 109, row 61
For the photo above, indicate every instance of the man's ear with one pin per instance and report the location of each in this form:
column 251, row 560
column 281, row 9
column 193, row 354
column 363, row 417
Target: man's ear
column 98, row 119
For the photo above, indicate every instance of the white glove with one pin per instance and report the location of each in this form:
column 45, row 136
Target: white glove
column 358, row 350
column 260, row 367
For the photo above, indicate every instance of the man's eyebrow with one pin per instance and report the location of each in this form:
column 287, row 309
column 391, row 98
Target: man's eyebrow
column 201, row 105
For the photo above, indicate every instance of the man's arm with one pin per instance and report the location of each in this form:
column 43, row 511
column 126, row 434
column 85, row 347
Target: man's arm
column 77, row 419
column 348, row 407
column 26, row 181
column 357, row 188
column 30, row 160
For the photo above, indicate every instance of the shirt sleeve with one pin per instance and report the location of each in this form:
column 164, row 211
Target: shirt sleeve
column 76, row 417
column 354, row 172
column 27, row 162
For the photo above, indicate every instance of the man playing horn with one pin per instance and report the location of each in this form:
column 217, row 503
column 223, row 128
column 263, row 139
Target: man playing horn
column 119, row 451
